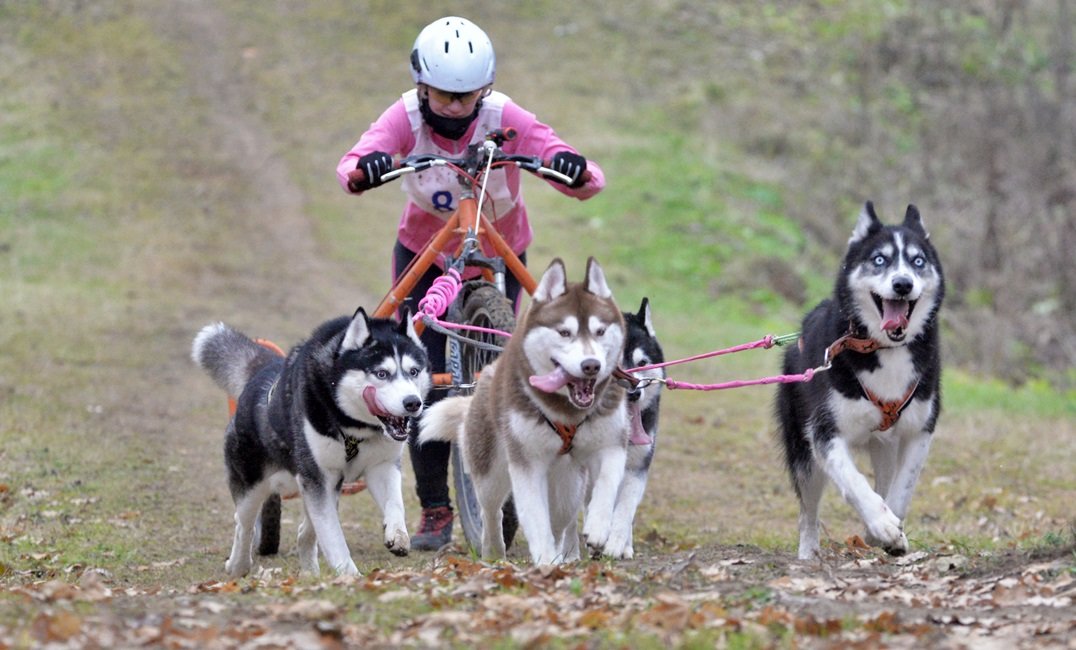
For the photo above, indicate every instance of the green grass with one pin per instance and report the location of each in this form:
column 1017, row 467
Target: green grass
column 965, row 392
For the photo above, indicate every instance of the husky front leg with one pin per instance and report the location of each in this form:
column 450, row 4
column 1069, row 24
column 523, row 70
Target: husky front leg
column 883, row 525
column 911, row 458
column 883, row 454
column 321, row 504
column 307, row 544
column 530, row 490
column 384, row 483
column 607, row 471
column 627, row 503
column 566, row 491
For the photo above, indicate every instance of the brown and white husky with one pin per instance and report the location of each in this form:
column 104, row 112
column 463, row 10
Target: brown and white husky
column 548, row 422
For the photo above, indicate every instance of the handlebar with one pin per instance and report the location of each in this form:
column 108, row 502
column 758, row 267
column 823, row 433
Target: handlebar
column 474, row 161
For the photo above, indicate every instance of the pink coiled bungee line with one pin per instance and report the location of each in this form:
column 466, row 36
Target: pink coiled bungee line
column 440, row 295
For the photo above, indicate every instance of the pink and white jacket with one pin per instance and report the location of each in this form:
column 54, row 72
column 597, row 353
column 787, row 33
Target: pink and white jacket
column 434, row 194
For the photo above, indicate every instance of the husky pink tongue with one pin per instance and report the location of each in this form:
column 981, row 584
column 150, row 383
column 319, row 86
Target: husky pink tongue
column 551, row 382
column 639, row 436
column 894, row 314
column 369, row 395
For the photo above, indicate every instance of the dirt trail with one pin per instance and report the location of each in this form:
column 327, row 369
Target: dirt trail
column 289, row 285
column 293, row 262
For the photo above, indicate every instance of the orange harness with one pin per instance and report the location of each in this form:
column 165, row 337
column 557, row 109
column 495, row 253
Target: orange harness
column 891, row 410
column 566, row 433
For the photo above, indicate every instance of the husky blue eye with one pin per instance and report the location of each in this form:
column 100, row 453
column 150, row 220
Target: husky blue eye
column 879, row 260
column 919, row 262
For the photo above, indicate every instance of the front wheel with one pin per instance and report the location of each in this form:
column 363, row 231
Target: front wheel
column 483, row 306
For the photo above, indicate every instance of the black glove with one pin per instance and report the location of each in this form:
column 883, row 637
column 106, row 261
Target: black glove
column 571, row 165
column 372, row 165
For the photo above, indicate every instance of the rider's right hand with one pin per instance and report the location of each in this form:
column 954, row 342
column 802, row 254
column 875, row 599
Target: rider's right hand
column 368, row 171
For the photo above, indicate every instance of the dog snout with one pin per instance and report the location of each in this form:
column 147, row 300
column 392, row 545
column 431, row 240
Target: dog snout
column 412, row 404
column 902, row 285
column 591, row 366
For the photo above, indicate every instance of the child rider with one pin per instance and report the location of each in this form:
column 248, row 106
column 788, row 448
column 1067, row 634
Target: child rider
column 453, row 105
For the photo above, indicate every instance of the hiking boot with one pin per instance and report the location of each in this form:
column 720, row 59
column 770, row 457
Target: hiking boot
column 435, row 530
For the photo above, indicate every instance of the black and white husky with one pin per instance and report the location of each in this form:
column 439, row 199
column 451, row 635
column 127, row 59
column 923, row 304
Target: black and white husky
column 880, row 329
column 336, row 409
column 641, row 348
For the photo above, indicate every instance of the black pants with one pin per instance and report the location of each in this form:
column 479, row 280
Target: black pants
column 430, row 461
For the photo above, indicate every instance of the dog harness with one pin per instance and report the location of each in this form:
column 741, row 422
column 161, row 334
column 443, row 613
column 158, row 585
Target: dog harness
column 566, row 433
column 891, row 410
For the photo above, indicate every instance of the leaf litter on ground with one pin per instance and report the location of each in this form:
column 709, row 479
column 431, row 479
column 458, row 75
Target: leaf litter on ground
column 849, row 595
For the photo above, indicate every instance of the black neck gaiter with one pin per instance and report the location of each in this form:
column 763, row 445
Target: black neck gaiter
column 452, row 128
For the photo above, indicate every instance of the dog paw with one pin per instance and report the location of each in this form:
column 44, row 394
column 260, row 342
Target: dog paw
column 544, row 559
column 348, row 569
column 618, row 547
column 596, row 537
column 398, row 543
column 596, row 550
column 897, row 551
column 886, row 531
column 237, row 568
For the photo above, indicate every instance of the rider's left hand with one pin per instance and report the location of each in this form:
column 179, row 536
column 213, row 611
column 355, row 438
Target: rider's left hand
column 571, row 165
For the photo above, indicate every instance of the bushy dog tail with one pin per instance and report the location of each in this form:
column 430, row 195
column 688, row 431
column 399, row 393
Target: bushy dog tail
column 443, row 420
column 230, row 357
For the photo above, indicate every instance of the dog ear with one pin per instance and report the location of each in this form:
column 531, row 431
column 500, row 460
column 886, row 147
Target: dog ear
column 554, row 282
column 407, row 326
column 596, row 283
column 644, row 315
column 358, row 331
column 914, row 222
column 868, row 224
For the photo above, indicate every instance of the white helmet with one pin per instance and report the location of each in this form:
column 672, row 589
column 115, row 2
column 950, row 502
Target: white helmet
column 453, row 54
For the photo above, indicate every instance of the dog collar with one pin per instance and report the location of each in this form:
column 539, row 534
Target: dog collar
column 854, row 343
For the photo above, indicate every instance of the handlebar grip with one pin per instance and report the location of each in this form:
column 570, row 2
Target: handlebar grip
column 502, row 135
column 356, row 178
column 548, row 172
